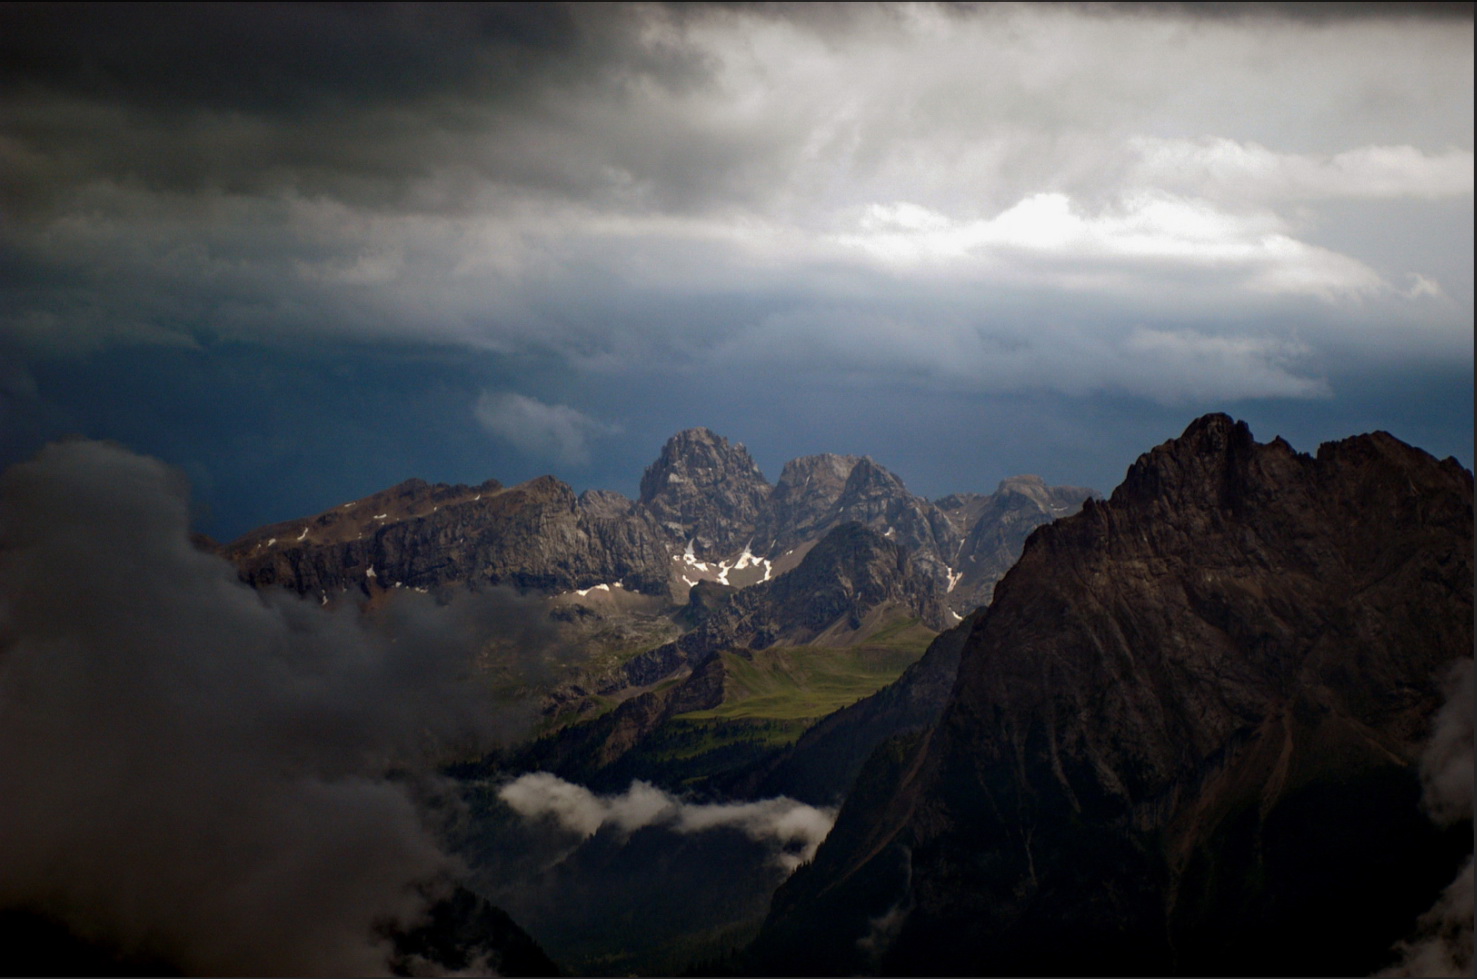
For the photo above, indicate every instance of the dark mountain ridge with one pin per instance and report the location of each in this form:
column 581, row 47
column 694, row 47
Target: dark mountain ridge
column 1184, row 734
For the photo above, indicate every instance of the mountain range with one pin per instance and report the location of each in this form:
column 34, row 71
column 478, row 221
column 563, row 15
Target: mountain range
column 1177, row 731
column 705, row 513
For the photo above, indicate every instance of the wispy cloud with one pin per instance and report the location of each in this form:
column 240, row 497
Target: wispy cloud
column 556, row 432
column 796, row 829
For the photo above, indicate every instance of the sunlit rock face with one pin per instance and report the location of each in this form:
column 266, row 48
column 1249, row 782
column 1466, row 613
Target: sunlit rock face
column 1184, row 738
column 997, row 530
column 535, row 535
column 705, row 513
column 705, row 489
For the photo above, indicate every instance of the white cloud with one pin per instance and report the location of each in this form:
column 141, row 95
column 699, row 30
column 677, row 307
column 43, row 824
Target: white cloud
column 1049, row 239
column 556, row 432
column 795, row 828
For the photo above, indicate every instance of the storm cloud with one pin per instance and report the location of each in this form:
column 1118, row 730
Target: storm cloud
column 198, row 773
column 633, row 215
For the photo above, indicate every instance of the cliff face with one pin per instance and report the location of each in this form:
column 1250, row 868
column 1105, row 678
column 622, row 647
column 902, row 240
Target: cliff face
column 803, row 503
column 416, row 535
column 1183, row 738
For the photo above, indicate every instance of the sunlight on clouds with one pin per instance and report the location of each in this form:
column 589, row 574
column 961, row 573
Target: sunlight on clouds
column 1145, row 227
column 796, row 829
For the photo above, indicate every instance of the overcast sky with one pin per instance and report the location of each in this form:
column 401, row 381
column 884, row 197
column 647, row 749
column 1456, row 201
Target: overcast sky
column 303, row 252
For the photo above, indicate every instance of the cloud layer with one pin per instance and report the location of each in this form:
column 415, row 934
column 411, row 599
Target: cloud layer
column 1442, row 945
column 550, row 181
column 757, row 218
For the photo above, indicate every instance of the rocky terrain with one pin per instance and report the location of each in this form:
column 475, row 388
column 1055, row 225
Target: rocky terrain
column 849, row 585
column 648, row 592
column 1184, row 738
column 537, row 535
column 705, row 513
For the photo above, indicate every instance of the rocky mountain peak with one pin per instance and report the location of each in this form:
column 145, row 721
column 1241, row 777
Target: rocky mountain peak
column 604, row 503
column 1212, row 448
column 821, row 475
column 804, row 499
column 703, row 488
column 1031, row 487
column 869, row 481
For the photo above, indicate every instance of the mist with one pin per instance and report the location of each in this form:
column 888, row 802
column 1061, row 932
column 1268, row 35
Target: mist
column 228, row 781
column 794, row 828
column 1442, row 943
column 635, row 882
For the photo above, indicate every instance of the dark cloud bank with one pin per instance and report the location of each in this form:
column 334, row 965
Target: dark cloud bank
column 195, row 773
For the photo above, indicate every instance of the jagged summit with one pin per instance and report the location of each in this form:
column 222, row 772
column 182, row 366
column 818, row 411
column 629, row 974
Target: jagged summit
column 703, row 488
column 705, row 512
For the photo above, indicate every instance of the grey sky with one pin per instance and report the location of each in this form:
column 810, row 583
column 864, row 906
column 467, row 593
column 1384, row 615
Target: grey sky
column 1179, row 211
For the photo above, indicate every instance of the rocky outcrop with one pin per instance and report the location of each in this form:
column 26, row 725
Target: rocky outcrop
column 581, row 752
column 606, row 504
column 416, row 535
column 463, row 932
column 703, row 489
column 1183, row 739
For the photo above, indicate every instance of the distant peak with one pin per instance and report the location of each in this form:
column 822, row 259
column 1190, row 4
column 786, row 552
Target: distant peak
column 1214, row 431
column 1025, row 482
column 868, row 473
column 701, row 448
column 695, row 436
column 828, row 463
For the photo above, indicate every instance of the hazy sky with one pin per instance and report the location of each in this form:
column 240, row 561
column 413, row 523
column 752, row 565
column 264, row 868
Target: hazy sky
column 303, row 252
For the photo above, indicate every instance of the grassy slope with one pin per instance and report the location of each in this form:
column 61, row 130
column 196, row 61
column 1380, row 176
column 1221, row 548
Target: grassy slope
column 771, row 696
column 791, row 683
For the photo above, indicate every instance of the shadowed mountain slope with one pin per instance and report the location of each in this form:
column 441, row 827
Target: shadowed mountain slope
column 1183, row 739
